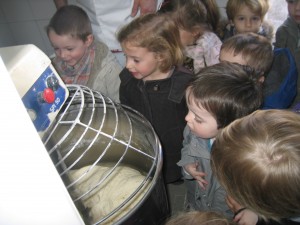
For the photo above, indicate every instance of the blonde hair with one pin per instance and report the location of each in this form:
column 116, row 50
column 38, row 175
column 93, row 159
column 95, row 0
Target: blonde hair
column 257, row 160
column 199, row 218
column 259, row 7
column 255, row 49
column 157, row 33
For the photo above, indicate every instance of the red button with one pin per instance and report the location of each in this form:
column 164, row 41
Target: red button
column 49, row 95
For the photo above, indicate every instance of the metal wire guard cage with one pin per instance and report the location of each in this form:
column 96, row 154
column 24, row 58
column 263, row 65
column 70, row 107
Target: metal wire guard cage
column 92, row 130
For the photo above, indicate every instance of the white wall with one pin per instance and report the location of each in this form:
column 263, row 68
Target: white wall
column 24, row 21
column 277, row 13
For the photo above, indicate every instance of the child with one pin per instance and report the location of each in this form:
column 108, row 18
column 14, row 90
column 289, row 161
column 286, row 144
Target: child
column 247, row 16
column 274, row 68
column 79, row 58
column 257, row 161
column 249, row 49
column 154, row 84
column 220, row 94
column 288, row 36
column 199, row 218
column 197, row 21
column 107, row 16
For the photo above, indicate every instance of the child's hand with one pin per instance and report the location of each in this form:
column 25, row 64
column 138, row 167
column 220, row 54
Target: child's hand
column 232, row 204
column 242, row 216
column 246, row 217
column 199, row 176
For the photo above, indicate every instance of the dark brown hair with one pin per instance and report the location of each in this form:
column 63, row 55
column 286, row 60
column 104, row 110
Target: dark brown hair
column 71, row 20
column 227, row 91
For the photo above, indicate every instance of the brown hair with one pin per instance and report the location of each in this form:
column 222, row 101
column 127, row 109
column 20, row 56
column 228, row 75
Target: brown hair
column 227, row 91
column 71, row 20
column 191, row 15
column 255, row 49
column 257, row 161
column 157, row 33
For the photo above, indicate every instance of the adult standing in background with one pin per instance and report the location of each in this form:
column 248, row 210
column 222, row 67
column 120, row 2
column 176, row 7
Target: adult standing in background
column 288, row 36
column 108, row 16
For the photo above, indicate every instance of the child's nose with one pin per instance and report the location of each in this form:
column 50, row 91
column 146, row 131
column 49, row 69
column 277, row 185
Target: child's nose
column 62, row 54
column 129, row 63
column 248, row 23
column 188, row 116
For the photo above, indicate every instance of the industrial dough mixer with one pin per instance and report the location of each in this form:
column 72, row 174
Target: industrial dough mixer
column 107, row 155
column 91, row 131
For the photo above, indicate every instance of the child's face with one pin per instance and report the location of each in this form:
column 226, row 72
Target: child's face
column 187, row 38
column 141, row 63
column 246, row 21
column 294, row 10
column 201, row 122
column 228, row 56
column 67, row 48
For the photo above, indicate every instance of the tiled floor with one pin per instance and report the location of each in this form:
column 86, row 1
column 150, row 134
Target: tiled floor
column 176, row 194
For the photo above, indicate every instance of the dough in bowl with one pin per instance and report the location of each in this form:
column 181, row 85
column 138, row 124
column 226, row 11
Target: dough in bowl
column 110, row 193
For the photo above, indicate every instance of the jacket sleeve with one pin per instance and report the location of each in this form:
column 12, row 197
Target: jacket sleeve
column 186, row 158
column 111, row 69
column 281, row 38
column 106, row 70
column 219, row 203
column 125, row 79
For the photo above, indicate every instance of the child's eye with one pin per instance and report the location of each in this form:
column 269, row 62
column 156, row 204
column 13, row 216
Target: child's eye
column 136, row 61
column 70, row 49
column 256, row 18
column 198, row 120
column 241, row 18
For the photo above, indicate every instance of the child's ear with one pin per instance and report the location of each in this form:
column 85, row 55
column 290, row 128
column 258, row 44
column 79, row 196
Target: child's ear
column 89, row 40
column 261, row 79
column 231, row 22
column 159, row 57
column 196, row 34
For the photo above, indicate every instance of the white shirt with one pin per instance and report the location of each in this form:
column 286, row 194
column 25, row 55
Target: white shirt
column 107, row 17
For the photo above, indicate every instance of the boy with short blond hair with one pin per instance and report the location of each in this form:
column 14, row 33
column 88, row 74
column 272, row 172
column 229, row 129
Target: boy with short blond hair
column 257, row 160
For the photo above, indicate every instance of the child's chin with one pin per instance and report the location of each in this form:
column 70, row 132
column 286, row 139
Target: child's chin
column 71, row 64
column 136, row 75
column 297, row 19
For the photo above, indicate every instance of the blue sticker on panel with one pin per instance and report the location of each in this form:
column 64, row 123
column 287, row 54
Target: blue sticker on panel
column 46, row 96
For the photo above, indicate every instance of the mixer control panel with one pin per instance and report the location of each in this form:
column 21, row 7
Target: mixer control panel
column 40, row 87
column 45, row 98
